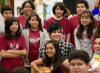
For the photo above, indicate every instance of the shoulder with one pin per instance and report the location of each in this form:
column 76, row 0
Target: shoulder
column 49, row 19
column 74, row 17
column 20, row 17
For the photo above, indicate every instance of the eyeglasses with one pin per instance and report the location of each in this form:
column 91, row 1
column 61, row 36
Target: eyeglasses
column 27, row 7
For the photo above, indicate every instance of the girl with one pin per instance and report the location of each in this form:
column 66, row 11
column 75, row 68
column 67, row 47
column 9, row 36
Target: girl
column 84, row 33
column 52, row 58
column 35, row 35
column 13, row 45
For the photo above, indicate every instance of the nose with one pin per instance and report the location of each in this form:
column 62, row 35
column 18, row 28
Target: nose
column 76, row 66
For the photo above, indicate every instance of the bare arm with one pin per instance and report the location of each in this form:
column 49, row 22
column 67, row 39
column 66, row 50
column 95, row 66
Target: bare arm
column 35, row 63
column 4, row 54
column 66, row 63
column 68, row 38
column 17, row 52
column 96, row 3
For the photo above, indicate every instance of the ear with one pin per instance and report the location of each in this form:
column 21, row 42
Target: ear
column 28, row 21
column 88, row 65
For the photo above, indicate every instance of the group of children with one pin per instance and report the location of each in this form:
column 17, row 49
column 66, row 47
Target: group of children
column 23, row 39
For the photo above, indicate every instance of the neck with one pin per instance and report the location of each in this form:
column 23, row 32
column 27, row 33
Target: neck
column 57, row 18
column 25, row 15
column 34, row 29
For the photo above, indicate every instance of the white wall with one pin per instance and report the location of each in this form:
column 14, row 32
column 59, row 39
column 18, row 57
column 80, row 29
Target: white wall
column 91, row 4
column 16, row 4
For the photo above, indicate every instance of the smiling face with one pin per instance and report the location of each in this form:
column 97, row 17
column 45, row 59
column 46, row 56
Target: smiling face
column 85, row 19
column 80, row 8
column 14, row 28
column 50, row 50
column 78, row 66
column 97, row 45
column 34, row 22
column 27, row 9
column 56, row 35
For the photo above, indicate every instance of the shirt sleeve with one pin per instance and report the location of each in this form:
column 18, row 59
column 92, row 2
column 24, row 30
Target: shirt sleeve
column 23, row 43
column 77, row 42
column 41, row 51
column 2, row 43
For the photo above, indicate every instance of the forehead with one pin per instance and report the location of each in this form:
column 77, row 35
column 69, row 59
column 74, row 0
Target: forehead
column 81, row 4
column 8, row 11
column 97, row 40
column 77, row 61
column 27, row 4
column 85, row 15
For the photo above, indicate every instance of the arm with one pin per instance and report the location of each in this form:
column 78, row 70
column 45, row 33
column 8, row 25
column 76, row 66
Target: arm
column 35, row 64
column 68, row 38
column 17, row 52
column 41, row 51
column 77, row 42
column 96, row 3
column 66, row 63
column 4, row 54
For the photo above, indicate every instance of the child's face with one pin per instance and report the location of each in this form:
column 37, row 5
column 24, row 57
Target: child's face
column 34, row 22
column 7, row 14
column 56, row 35
column 27, row 9
column 97, row 45
column 50, row 50
column 80, row 8
column 78, row 66
column 85, row 19
column 58, row 12
column 14, row 28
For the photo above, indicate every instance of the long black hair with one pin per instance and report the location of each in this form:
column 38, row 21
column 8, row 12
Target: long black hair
column 90, row 28
column 27, row 24
column 8, row 23
column 57, row 58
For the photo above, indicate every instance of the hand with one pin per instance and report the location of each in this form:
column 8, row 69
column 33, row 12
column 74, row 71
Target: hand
column 9, row 51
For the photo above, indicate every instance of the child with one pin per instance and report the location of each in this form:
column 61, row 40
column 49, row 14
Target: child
column 84, row 33
column 78, row 61
column 55, row 32
column 13, row 45
column 35, row 36
column 6, row 12
column 20, row 70
column 52, row 58
column 27, row 7
column 59, row 10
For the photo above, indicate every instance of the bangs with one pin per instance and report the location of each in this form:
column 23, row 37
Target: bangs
column 85, row 15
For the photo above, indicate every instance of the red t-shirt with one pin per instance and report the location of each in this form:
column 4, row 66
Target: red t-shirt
column 34, row 44
column 74, row 22
column 22, row 20
column 13, row 44
column 64, row 22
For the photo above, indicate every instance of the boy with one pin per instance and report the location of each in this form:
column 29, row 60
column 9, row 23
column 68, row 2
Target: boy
column 55, row 32
column 6, row 12
column 79, row 61
column 59, row 10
